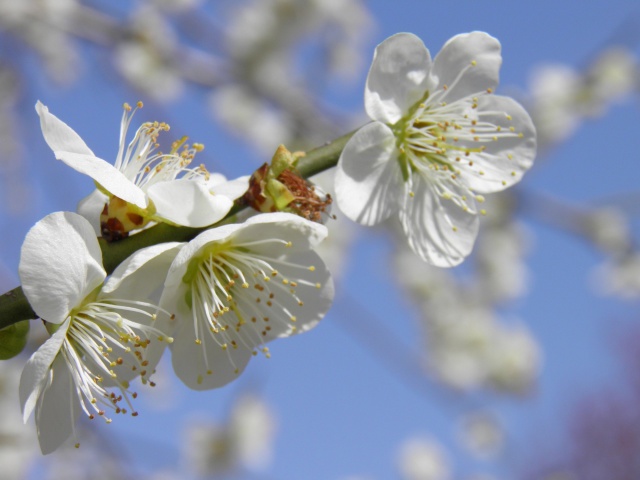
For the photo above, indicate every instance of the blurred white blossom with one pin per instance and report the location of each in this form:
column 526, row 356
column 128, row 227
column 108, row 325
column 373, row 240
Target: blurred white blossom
column 245, row 441
column 422, row 458
column 562, row 97
column 619, row 276
column 466, row 344
column 17, row 444
column 144, row 58
column 481, row 433
column 609, row 229
column 260, row 123
column 500, row 258
column 44, row 26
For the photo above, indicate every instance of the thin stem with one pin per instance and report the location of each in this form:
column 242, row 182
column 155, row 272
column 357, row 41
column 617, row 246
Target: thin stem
column 14, row 306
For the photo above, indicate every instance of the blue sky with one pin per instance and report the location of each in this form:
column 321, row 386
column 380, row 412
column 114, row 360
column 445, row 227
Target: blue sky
column 341, row 411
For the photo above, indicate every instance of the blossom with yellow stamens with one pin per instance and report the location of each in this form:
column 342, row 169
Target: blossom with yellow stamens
column 143, row 185
column 440, row 139
column 103, row 335
column 236, row 287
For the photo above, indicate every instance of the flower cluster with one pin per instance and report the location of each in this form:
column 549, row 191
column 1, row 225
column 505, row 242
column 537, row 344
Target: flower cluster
column 439, row 140
column 215, row 301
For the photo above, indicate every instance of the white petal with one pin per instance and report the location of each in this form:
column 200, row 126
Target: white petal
column 106, row 175
column 192, row 362
column 231, row 189
column 60, row 264
column 216, row 179
column 139, row 275
column 398, row 78
column 303, row 234
column 58, row 408
column 36, row 371
column 315, row 289
column 455, row 60
column 188, row 203
column 439, row 231
column 504, row 161
column 91, row 206
column 59, row 135
column 368, row 183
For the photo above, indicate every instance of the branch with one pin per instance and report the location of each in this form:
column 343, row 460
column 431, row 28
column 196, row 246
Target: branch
column 14, row 306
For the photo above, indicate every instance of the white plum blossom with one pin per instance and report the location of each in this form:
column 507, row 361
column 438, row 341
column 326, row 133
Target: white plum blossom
column 246, row 440
column 422, row 458
column 481, row 432
column 143, row 185
column 103, row 334
column 236, row 287
column 440, row 139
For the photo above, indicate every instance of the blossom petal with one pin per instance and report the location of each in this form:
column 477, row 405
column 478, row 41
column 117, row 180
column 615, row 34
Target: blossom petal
column 140, row 274
column 36, row 371
column 368, row 183
column 439, row 231
column 106, row 175
column 398, row 77
column 231, row 189
column 60, row 264
column 301, row 233
column 193, row 361
column 58, row 135
column 58, row 408
column 188, row 203
column 91, row 206
column 468, row 63
column 315, row 290
column 504, row 161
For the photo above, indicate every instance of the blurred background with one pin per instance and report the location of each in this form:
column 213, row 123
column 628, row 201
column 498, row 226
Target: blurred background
column 522, row 363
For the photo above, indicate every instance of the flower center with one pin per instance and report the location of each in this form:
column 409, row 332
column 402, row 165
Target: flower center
column 140, row 162
column 240, row 299
column 441, row 142
column 102, row 346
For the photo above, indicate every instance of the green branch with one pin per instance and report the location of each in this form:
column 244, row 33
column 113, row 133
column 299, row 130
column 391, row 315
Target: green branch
column 14, row 306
